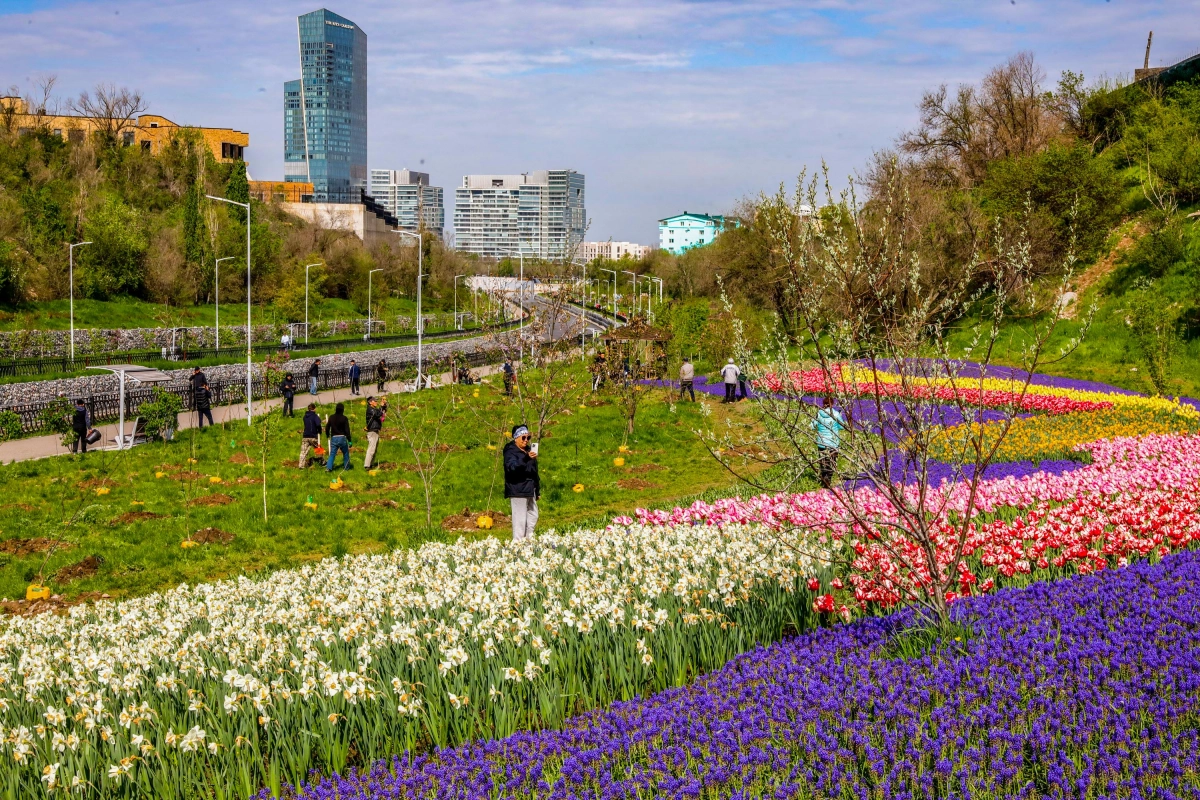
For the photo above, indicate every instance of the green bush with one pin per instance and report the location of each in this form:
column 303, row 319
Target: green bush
column 161, row 412
column 56, row 418
column 10, row 425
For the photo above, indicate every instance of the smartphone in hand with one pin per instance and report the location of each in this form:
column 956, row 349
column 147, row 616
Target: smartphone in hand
column 533, row 449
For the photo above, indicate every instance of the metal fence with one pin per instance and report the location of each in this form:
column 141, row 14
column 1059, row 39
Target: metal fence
column 42, row 365
column 106, row 407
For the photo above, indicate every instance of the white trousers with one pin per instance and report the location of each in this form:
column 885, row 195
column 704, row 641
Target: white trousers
column 524, row 516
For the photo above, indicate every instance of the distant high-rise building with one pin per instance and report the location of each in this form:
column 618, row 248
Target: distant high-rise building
column 540, row 214
column 325, row 112
column 409, row 198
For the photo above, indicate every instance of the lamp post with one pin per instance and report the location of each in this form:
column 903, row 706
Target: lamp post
column 420, row 269
column 249, row 329
column 660, row 285
column 456, row 277
column 217, row 301
column 306, row 268
column 71, row 258
column 370, row 278
column 614, row 292
column 635, row 294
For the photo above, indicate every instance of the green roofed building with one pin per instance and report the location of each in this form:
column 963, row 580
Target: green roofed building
column 685, row 231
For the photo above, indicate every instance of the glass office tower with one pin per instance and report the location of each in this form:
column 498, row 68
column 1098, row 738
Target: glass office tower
column 325, row 112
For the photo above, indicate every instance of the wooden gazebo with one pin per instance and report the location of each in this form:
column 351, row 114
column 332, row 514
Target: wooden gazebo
column 639, row 345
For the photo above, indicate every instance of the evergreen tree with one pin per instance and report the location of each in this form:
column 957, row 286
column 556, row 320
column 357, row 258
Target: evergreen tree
column 238, row 190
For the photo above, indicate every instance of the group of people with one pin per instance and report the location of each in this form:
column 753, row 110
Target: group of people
column 733, row 377
column 337, row 432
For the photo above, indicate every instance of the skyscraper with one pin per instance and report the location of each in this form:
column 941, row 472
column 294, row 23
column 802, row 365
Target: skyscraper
column 541, row 214
column 325, row 112
column 409, row 197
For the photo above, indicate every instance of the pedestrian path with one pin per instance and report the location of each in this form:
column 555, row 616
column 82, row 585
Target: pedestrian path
column 36, row 447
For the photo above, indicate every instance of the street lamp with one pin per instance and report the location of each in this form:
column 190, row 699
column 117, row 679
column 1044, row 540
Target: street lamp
column 635, row 294
column 614, row 292
column 660, row 287
column 71, row 257
column 306, row 268
column 217, row 300
column 370, row 277
column 420, row 269
column 456, row 277
column 249, row 329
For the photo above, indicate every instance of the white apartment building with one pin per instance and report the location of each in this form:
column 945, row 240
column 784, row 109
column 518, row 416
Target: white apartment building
column 407, row 196
column 613, row 250
column 539, row 214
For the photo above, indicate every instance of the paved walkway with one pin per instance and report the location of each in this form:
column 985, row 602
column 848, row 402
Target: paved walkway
column 45, row 446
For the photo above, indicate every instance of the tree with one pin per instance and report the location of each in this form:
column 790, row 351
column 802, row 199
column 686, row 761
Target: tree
column 238, row 190
column 1155, row 328
column 421, row 427
column 115, row 262
column 875, row 340
column 114, row 110
column 161, row 413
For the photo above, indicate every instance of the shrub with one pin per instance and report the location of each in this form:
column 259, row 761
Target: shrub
column 10, row 425
column 161, row 412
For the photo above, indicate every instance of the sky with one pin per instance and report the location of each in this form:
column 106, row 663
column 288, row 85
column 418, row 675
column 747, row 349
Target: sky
column 664, row 105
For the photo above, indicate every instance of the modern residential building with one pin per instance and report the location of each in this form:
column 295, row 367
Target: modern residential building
column 407, row 195
column 325, row 111
column 150, row 132
column 541, row 214
column 685, row 231
column 613, row 250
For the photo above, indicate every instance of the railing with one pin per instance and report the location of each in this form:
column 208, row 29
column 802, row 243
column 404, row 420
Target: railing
column 106, row 407
column 42, row 365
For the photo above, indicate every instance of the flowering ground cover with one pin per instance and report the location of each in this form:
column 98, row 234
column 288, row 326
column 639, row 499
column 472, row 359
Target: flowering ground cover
column 241, row 684
column 1140, row 495
column 1085, row 687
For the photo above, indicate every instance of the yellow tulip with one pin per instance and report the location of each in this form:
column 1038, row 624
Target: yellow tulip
column 577, row 488
column 618, row 462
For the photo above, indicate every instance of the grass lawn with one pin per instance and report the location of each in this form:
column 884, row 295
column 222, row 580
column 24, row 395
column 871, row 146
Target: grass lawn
column 130, row 511
column 130, row 312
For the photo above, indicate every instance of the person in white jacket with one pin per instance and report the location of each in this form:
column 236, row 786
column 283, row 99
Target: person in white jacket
column 687, row 374
column 730, row 373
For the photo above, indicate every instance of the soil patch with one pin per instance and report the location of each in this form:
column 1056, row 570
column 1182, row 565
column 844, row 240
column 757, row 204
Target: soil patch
column 19, row 506
column 636, row 484
column 56, row 604
column 397, row 486
column 246, row 480
column 239, row 458
column 96, row 483
column 183, row 475
column 27, row 547
column 78, row 571
column 135, row 516
column 642, row 469
column 211, row 500
column 382, row 503
column 466, row 521
column 212, row 536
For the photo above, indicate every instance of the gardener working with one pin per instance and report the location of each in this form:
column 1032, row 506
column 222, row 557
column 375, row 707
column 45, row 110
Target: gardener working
column 338, row 431
column 829, row 424
column 81, row 423
column 375, row 416
column 311, row 437
column 203, row 405
column 730, row 373
column 521, row 482
column 687, row 376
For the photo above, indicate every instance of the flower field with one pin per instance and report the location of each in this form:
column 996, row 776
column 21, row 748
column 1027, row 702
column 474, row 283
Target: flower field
column 1096, row 702
column 242, row 684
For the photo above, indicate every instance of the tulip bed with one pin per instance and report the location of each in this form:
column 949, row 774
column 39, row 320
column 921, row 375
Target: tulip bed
column 230, row 686
column 1087, row 687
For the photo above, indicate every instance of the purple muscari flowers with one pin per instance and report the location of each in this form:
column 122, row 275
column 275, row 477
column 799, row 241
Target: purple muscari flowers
column 1087, row 687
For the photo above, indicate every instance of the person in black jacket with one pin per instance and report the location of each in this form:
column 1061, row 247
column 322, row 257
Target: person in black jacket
column 381, row 374
column 314, row 371
column 522, row 485
column 375, row 415
column 311, row 437
column 288, row 390
column 355, row 376
column 203, row 405
column 338, row 431
column 198, row 379
column 81, row 423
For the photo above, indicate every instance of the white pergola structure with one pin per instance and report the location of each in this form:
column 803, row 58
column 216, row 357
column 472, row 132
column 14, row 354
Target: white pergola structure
column 139, row 375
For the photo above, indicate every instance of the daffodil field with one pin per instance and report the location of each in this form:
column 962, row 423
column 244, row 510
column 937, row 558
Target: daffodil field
column 461, row 670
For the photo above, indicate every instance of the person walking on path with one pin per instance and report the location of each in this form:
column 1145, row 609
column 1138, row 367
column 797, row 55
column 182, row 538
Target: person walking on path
column 829, row 424
column 509, row 376
column 81, row 423
column 730, row 373
column 599, row 366
column 314, row 372
column 381, row 375
column 355, row 376
column 310, row 439
column 375, row 416
column 204, row 406
column 198, row 379
column 687, row 377
column 522, row 486
column 288, row 390
column 337, row 429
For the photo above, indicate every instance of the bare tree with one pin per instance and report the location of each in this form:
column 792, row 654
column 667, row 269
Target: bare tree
column 876, row 342
column 113, row 109
column 421, row 426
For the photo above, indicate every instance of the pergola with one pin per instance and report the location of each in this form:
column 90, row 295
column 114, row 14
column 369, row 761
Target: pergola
column 137, row 374
column 638, row 343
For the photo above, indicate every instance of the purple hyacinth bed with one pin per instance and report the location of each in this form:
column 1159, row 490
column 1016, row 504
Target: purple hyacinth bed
column 1084, row 688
